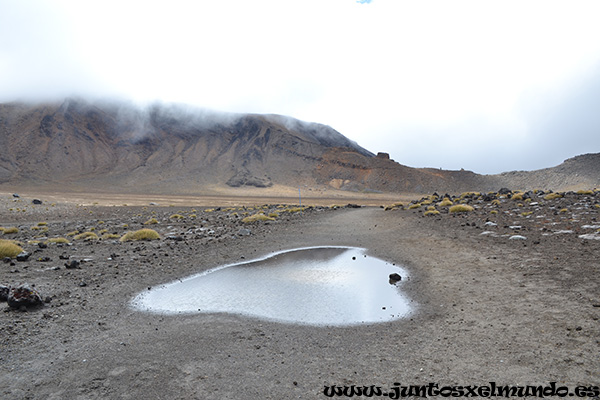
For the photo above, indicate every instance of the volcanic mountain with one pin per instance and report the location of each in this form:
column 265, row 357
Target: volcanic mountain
column 176, row 149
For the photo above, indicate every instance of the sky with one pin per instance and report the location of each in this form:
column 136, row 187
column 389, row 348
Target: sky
column 487, row 86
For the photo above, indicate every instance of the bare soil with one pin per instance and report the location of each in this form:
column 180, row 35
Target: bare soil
column 488, row 308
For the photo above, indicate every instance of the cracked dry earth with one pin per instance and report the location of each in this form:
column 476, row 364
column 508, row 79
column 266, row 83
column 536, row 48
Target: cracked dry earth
column 487, row 308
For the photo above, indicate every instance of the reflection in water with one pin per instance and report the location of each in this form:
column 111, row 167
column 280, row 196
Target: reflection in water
column 317, row 286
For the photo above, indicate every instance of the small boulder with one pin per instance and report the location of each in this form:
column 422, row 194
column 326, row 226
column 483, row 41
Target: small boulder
column 73, row 264
column 4, row 292
column 16, row 196
column 244, row 232
column 23, row 296
column 24, row 256
column 36, row 201
column 395, row 278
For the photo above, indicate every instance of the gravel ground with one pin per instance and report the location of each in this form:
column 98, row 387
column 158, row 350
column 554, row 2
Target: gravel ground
column 488, row 307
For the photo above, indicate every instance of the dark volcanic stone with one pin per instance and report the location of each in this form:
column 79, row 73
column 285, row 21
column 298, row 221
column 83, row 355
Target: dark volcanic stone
column 4, row 292
column 23, row 295
column 36, row 201
column 24, row 256
column 73, row 264
column 395, row 278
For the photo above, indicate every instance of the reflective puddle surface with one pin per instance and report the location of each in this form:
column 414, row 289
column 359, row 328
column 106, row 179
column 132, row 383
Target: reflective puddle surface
column 316, row 286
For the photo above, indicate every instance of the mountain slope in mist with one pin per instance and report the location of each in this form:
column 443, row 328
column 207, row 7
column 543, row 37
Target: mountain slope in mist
column 118, row 147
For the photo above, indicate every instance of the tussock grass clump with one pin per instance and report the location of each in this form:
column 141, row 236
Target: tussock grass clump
column 73, row 233
column 495, row 202
column 494, row 212
column 12, row 229
column 57, row 240
column 293, row 209
column 273, row 215
column 9, row 249
column 526, row 213
column 597, row 205
column 394, row 206
column 108, row 236
column 257, row 217
column 517, row 196
column 42, row 223
column 552, row 196
column 431, row 208
column 151, row 221
column 445, row 203
column 431, row 212
column 176, row 216
column 588, row 192
column 86, row 236
column 564, row 210
column 413, row 206
column 142, row 234
column 459, row 208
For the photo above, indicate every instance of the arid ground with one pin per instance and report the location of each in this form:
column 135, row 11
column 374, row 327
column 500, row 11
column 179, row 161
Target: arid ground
column 516, row 303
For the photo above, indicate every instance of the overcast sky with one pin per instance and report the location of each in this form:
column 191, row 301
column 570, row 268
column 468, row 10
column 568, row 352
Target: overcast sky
column 488, row 86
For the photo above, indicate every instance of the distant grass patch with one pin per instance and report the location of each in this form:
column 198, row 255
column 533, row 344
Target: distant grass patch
column 73, row 233
column 588, row 192
column 176, row 216
column 460, row 208
column 108, row 236
column 42, row 223
column 431, row 212
column 142, row 234
column 564, row 210
column 526, row 213
column 293, row 209
column 256, row 218
column 86, row 236
column 12, row 229
column 517, row 196
column 9, row 249
column 553, row 196
column 495, row 202
column 57, row 240
column 446, row 202
column 494, row 212
column 413, row 206
column 151, row 221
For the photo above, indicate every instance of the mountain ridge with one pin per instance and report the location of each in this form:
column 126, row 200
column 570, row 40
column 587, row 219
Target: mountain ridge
column 182, row 149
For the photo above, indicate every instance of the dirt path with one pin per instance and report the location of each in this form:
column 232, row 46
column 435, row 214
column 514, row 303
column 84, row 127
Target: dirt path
column 485, row 312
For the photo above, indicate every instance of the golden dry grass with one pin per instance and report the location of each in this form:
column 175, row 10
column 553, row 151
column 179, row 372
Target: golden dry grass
column 256, row 218
column 142, row 234
column 86, row 236
column 9, row 249
column 459, row 208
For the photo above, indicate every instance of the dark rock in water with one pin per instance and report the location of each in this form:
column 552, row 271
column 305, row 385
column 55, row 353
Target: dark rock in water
column 4, row 292
column 73, row 264
column 24, row 256
column 23, row 295
column 395, row 278
column 504, row 191
column 36, row 201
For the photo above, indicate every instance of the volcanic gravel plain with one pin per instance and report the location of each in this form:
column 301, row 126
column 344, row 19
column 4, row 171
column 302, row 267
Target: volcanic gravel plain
column 507, row 292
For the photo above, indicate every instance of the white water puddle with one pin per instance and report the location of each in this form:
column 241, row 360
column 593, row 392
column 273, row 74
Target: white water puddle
column 315, row 286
